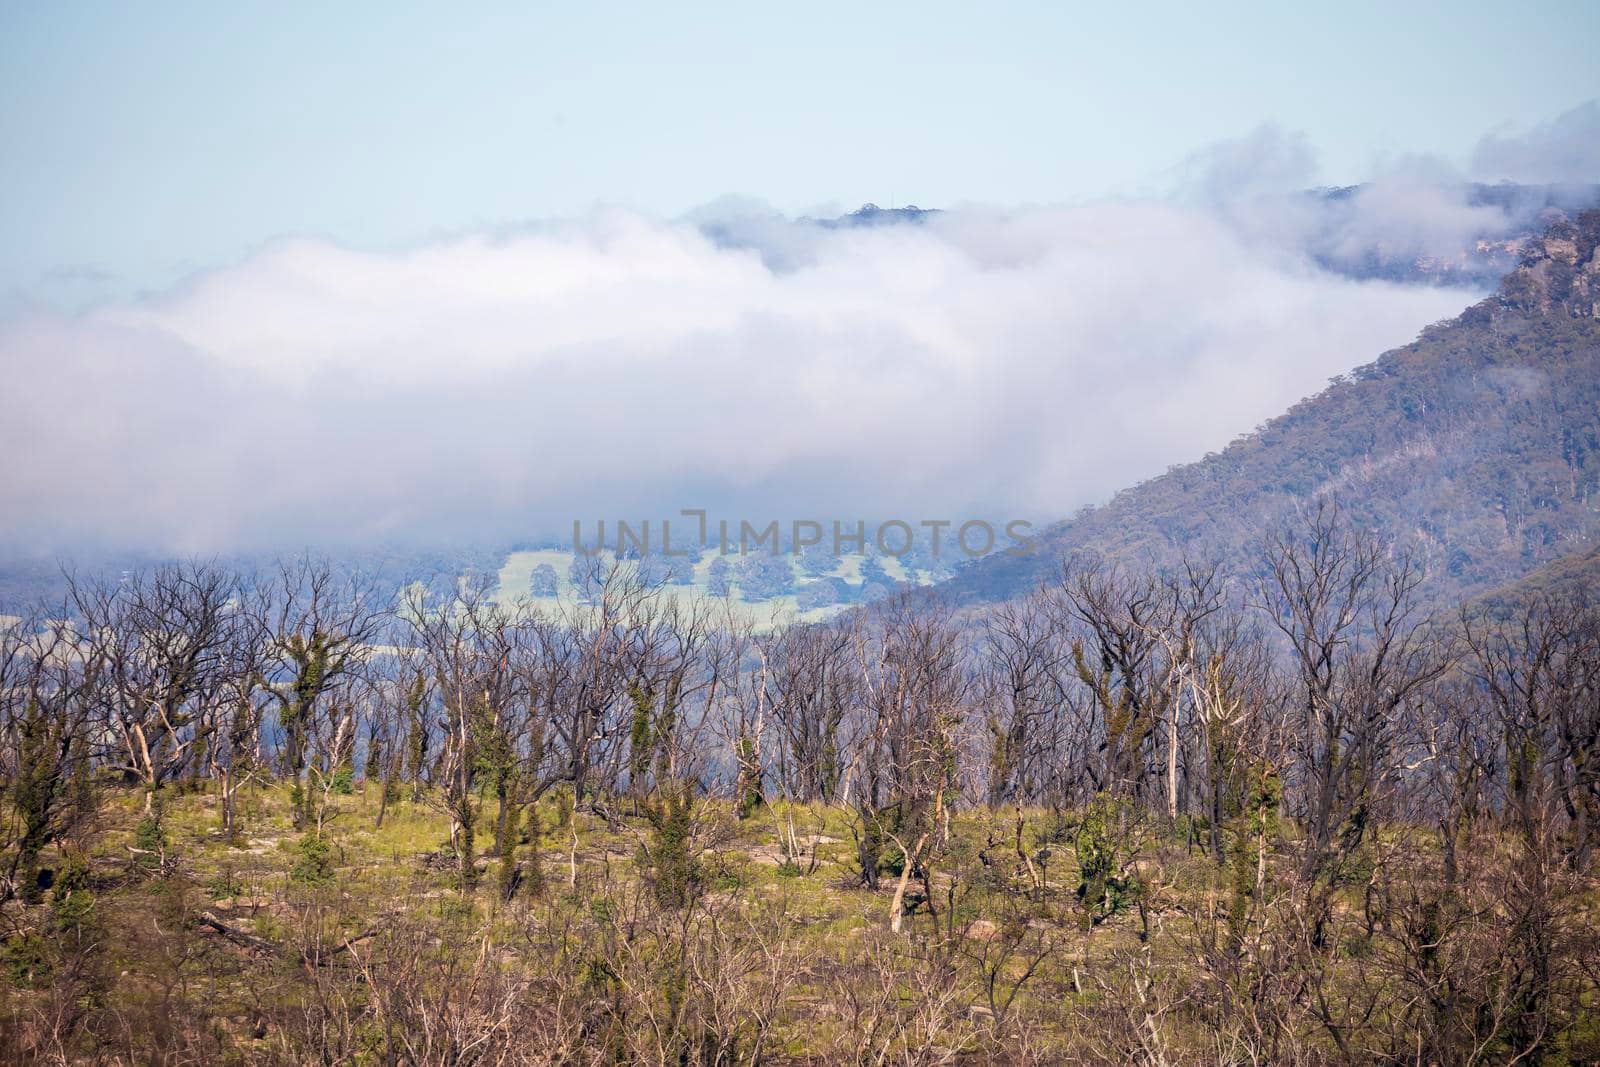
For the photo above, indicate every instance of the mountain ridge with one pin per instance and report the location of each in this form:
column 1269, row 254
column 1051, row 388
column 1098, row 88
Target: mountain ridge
column 1476, row 448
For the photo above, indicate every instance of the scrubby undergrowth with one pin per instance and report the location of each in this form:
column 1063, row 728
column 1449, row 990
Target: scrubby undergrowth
column 664, row 929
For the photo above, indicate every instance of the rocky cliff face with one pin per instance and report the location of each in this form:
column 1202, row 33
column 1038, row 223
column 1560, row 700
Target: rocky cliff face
column 1559, row 271
column 1512, row 219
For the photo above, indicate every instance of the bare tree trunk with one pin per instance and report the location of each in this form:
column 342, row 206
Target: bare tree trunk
column 896, row 909
column 1172, row 759
column 387, row 785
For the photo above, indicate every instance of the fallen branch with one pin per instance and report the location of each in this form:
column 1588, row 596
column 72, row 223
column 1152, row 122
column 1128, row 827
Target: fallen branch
column 236, row 935
column 266, row 947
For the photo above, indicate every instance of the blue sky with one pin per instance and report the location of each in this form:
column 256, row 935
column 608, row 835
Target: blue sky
column 142, row 142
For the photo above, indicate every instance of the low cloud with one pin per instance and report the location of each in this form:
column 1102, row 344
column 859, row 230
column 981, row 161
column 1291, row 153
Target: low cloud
column 1564, row 150
column 980, row 362
column 1418, row 218
column 1268, row 161
column 496, row 386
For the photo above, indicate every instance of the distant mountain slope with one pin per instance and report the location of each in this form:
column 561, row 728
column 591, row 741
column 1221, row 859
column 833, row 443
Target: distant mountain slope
column 1477, row 447
column 1567, row 576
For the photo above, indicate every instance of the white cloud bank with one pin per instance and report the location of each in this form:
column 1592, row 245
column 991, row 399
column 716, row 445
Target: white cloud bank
column 1565, row 150
column 1019, row 363
column 493, row 386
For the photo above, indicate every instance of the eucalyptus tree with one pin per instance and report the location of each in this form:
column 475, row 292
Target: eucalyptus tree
column 915, row 701
column 812, row 684
column 1026, row 710
column 162, row 643
column 588, row 663
column 235, row 755
column 1538, row 673
column 1114, row 619
column 1360, row 657
column 473, row 648
column 319, row 627
column 47, row 698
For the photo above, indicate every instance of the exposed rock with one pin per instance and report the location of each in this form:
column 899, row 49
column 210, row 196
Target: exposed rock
column 1560, row 271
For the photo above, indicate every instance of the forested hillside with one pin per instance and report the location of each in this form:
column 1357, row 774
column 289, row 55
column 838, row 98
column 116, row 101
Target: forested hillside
column 1569, row 576
column 1476, row 447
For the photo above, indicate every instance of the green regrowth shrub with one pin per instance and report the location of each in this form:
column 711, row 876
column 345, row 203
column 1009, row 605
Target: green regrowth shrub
column 224, row 884
column 1105, row 845
column 313, row 864
column 150, row 838
column 675, row 873
column 72, row 910
column 27, row 961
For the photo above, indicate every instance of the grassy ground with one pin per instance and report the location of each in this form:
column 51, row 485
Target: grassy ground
column 776, row 950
